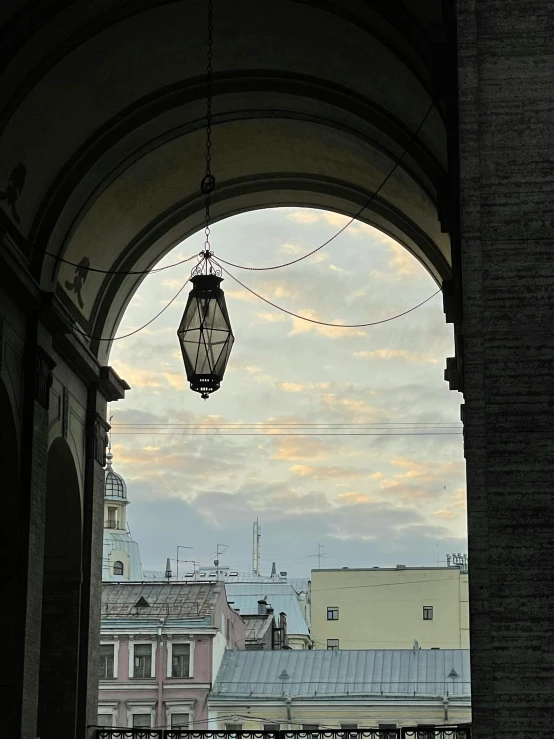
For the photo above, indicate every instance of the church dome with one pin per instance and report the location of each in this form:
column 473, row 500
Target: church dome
column 115, row 486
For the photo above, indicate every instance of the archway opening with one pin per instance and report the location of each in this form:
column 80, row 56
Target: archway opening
column 59, row 651
column 348, row 438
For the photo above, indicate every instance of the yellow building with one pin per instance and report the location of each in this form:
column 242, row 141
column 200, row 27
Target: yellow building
column 390, row 608
column 340, row 689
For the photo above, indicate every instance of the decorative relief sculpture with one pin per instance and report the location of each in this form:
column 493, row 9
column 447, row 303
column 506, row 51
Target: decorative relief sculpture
column 81, row 272
column 14, row 188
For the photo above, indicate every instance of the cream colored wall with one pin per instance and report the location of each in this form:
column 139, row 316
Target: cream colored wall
column 366, row 712
column 383, row 609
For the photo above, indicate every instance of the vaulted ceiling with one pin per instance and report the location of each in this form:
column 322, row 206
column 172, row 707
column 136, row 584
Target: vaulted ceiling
column 314, row 103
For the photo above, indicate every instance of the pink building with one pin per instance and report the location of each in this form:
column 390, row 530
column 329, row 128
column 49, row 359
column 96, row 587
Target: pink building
column 160, row 650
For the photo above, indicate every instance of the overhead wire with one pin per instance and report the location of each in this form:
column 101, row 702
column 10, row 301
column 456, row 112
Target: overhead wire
column 325, row 323
column 118, row 271
column 277, row 266
column 355, row 216
column 132, row 333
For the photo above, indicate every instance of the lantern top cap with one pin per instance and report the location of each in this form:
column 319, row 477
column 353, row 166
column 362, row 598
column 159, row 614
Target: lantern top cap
column 206, row 282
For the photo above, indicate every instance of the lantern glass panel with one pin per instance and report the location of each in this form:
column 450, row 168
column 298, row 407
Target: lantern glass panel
column 205, row 332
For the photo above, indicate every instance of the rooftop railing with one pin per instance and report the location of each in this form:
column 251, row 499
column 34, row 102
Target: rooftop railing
column 459, row 731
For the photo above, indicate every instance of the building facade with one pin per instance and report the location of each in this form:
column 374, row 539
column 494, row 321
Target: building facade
column 161, row 647
column 295, row 690
column 390, row 608
column 429, row 120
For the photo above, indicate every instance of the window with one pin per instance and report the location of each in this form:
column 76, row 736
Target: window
column 104, row 719
column 427, row 613
column 180, row 720
column 332, row 613
column 142, row 661
column 106, row 661
column 180, row 660
column 332, row 643
column 118, row 568
column 112, row 517
column 141, row 720
column 272, row 727
column 389, row 731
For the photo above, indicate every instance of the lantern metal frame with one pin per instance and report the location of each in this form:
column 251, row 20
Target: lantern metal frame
column 205, row 334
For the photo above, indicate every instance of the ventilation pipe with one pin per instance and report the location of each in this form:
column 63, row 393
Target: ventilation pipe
column 445, row 706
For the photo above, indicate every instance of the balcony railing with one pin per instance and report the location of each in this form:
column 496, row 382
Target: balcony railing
column 460, row 731
column 112, row 523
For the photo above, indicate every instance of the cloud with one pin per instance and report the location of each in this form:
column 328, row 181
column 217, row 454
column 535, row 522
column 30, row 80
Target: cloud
column 274, row 317
column 302, row 327
column 403, row 354
column 242, row 295
column 355, row 498
column 291, row 387
column 335, row 472
column 291, row 248
column 301, row 448
column 403, row 263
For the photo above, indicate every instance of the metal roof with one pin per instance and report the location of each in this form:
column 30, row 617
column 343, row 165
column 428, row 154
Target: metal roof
column 257, row 626
column 281, row 596
column 300, row 584
column 315, row 673
column 159, row 599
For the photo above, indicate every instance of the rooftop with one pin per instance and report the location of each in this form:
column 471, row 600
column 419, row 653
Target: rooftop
column 257, row 626
column 280, row 596
column 324, row 673
column 149, row 600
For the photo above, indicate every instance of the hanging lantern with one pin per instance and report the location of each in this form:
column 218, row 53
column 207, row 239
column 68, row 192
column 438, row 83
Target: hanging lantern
column 205, row 334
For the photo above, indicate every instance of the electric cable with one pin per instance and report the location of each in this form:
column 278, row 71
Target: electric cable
column 117, row 271
column 132, row 333
column 324, row 323
column 207, row 193
column 355, row 216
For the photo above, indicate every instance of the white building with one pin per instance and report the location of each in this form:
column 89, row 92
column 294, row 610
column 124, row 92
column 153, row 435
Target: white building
column 121, row 555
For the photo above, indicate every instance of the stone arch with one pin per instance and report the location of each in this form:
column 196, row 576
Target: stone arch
column 61, row 596
column 10, row 523
column 300, row 118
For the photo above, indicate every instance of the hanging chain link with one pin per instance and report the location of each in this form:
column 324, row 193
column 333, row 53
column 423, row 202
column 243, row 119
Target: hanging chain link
column 208, row 182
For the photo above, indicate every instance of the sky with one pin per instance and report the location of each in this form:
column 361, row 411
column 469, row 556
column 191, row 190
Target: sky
column 387, row 488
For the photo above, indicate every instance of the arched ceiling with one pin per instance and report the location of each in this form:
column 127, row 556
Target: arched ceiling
column 314, row 103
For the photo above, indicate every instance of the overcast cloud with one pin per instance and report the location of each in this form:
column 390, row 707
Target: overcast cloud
column 369, row 500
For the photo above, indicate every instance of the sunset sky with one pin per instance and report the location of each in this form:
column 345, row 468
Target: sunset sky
column 378, row 499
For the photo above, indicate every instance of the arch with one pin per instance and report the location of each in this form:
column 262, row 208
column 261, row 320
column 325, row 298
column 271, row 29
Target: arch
column 10, row 523
column 314, row 104
column 60, row 596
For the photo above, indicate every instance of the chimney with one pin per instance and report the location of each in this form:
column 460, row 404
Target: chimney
column 168, row 569
column 262, row 607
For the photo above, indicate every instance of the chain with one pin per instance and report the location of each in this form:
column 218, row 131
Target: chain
column 208, row 182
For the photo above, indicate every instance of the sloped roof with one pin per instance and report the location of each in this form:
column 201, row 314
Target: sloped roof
column 257, row 626
column 182, row 599
column 314, row 673
column 279, row 595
